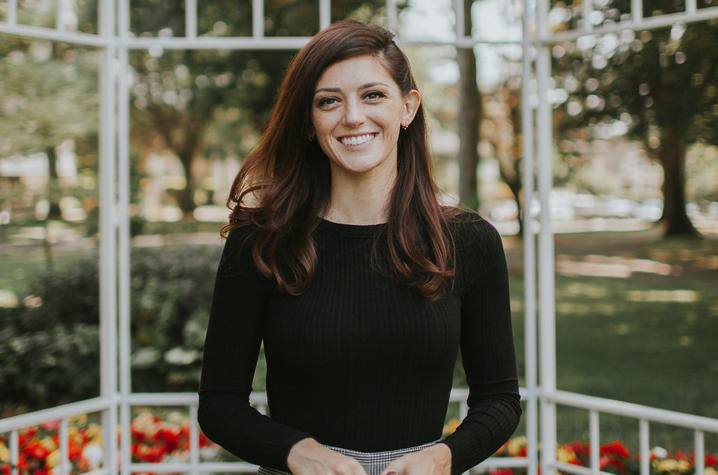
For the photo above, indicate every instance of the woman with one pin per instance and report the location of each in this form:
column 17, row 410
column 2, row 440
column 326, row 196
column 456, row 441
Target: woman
column 362, row 288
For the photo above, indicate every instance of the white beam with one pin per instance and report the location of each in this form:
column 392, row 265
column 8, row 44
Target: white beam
column 39, row 32
column 392, row 20
column 636, row 11
column 60, row 16
column 123, row 251
column 258, row 18
column 586, row 9
column 547, row 331
column 650, row 23
column 460, row 20
column 190, row 14
column 12, row 12
column 595, row 439
column 644, row 447
column 700, row 453
column 529, row 244
column 325, row 14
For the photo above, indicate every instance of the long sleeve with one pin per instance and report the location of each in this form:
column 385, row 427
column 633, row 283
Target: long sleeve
column 231, row 349
column 487, row 350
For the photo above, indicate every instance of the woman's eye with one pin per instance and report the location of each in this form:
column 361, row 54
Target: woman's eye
column 374, row 95
column 326, row 101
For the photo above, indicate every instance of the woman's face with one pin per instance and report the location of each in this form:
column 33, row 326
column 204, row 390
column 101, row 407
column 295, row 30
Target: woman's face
column 357, row 113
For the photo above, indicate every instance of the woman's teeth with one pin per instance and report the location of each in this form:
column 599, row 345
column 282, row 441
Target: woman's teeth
column 356, row 140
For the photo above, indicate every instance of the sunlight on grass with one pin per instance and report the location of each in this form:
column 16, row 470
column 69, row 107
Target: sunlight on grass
column 673, row 295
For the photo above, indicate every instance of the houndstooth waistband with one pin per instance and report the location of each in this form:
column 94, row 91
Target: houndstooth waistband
column 372, row 462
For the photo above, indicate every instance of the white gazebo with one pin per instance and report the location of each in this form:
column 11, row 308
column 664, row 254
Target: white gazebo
column 541, row 397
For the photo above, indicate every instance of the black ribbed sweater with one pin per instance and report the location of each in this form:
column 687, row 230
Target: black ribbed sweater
column 360, row 360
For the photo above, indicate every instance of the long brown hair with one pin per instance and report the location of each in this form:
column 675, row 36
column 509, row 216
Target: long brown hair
column 284, row 184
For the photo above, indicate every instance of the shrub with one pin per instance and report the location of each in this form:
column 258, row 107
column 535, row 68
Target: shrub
column 50, row 346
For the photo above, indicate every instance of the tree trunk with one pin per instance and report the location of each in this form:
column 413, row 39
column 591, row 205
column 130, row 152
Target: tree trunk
column 672, row 155
column 185, row 196
column 469, row 120
column 52, row 185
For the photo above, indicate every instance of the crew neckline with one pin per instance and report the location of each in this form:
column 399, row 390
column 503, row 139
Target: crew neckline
column 351, row 230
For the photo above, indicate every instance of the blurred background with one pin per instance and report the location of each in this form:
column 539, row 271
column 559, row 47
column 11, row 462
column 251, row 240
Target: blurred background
column 635, row 204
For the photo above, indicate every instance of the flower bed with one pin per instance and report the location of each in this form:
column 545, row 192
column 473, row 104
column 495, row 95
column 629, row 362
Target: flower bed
column 615, row 457
column 154, row 439
column 163, row 436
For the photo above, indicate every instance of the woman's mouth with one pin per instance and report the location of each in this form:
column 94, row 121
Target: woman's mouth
column 356, row 139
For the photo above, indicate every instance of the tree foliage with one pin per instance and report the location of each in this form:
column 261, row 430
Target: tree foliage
column 658, row 87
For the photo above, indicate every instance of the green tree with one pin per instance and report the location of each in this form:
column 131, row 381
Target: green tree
column 661, row 84
column 45, row 102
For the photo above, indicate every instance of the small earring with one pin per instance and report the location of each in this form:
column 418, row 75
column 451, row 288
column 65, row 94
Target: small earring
column 404, row 126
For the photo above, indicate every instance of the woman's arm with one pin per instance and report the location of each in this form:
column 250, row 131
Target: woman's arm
column 487, row 350
column 231, row 349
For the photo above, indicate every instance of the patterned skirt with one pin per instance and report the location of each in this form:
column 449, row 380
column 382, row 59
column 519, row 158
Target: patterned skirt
column 373, row 462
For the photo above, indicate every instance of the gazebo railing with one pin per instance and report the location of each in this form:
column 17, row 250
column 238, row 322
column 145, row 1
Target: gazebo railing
column 595, row 406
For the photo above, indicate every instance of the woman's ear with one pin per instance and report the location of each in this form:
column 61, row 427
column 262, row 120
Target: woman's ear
column 412, row 100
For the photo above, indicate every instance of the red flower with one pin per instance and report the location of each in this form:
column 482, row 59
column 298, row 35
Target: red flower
column 6, row 469
column 615, row 448
column 504, row 471
column 34, row 449
column 74, row 450
column 137, row 435
column 27, row 435
column 524, row 452
column 606, row 462
column 680, row 456
column 169, row 436
column 711, row 460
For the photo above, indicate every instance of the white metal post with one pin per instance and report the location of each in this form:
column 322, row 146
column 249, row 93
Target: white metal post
column 123, row 219
column 460, row 20
column 547, row 337
column 529, row 245
column 700, row 452
column 257, row 18
column 392, row 20
column 594, row 437
column 636, row 11
column 60, row 16
column 12, row 12
column 190, row 21
column 643, row 441
column 325, row 14
column 108, row 290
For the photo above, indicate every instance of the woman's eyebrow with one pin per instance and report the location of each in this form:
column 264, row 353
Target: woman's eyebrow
column 336, row 89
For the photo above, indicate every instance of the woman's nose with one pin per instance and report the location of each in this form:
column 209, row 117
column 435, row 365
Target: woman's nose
column 353, row 113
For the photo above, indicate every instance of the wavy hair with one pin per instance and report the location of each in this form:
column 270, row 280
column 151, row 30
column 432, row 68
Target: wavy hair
column 284, row 184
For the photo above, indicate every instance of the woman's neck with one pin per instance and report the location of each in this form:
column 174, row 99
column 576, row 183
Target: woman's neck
column 360, row 200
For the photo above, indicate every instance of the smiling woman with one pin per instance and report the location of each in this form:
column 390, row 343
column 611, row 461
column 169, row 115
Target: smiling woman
column 357, row 114
column 361, row 287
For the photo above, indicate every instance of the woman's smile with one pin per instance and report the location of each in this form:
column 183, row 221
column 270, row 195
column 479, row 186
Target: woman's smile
column 354, row 141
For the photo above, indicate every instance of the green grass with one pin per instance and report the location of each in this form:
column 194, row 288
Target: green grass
column 648, row 339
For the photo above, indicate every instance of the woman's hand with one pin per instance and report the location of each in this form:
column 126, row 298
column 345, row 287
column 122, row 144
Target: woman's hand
column 433, row 460
column 309, row 457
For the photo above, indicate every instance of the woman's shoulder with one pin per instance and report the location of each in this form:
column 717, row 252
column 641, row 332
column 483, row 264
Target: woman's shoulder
column 470, row 225
column 238, row 245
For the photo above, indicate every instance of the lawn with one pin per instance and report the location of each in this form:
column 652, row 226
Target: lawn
column 648, row 337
